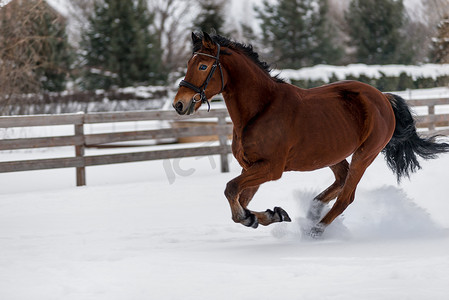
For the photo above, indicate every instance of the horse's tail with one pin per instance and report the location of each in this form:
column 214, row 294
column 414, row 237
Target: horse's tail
column 402, row 150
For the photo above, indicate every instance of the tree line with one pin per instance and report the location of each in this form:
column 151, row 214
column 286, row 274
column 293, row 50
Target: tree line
column 144, row 42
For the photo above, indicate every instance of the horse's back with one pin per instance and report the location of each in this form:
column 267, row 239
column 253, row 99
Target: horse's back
column 334, row 120
column 348, row 90
column 373, row 107
column 365, row 104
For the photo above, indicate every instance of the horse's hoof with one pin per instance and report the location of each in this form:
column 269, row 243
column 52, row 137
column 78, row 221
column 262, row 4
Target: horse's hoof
column 250, row 220
column 316, row 231
column 283, row 216
column 255, row 223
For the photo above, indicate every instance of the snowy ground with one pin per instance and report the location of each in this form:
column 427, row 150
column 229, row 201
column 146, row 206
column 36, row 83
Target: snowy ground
column 162, row 230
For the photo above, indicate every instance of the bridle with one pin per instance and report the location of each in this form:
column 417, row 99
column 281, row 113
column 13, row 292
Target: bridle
column 201, row 90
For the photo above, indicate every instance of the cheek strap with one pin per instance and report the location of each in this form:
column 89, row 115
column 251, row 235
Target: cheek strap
column 201, row 91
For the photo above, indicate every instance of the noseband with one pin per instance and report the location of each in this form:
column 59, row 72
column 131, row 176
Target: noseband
column 201, row 90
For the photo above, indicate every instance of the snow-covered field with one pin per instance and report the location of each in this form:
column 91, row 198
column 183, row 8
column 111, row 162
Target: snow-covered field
column 162, row 230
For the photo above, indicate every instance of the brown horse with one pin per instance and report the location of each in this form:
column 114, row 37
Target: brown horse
column 279, row 127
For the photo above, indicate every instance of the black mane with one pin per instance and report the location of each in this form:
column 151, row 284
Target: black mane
column 245, row 49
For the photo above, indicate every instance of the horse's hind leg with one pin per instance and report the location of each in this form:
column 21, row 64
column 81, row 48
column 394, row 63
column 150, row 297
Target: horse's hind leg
column 316, row 207
column 360, row 161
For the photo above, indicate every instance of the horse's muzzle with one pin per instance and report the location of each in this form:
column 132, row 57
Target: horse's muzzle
column 184, row 109
column 179, row 107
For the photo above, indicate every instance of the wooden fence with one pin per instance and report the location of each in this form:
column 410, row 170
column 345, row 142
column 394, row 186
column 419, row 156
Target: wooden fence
column 433, row 123
column 80, row 140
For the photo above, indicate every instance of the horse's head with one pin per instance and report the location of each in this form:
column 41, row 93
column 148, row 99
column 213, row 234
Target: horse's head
column 204, row 79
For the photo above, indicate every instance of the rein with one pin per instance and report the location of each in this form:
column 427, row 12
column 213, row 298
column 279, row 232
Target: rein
column 201, row 90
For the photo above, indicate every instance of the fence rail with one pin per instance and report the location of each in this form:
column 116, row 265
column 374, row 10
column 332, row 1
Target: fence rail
column 216, row 126
column 80, row 140
column 432, row 122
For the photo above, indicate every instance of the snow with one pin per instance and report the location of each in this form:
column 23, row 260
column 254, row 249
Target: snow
column 4, row 2
column 432, row 93
column 162, row 230
column 325, row 72
column 64, row 7
column 425, row 94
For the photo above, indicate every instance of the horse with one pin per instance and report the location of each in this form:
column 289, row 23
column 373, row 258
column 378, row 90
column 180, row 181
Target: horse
column 278, row 127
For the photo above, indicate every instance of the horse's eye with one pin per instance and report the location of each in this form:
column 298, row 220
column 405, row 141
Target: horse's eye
column 203, row 67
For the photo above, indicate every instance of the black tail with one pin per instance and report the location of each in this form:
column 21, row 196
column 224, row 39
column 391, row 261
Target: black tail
column 402, row 150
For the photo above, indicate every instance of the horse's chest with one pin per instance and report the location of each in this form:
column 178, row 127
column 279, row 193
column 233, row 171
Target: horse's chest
column 239, row 152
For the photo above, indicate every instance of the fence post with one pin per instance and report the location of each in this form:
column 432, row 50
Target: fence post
column 431, row 113
column 79, row 152
column 223, row 139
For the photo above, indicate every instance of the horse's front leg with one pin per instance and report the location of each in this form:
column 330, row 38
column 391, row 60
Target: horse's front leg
column 241, row 190
column 264, row 218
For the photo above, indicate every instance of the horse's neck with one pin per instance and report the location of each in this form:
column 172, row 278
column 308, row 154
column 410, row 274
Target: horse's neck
column 247, row 93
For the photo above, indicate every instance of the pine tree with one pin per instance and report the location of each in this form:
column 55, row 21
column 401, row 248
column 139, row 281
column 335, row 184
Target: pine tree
column 298, row 33
column 440, row 43
column 327, row 49
column 56, row 54
column 210, row 18
column 376, row 31
column 120, row 50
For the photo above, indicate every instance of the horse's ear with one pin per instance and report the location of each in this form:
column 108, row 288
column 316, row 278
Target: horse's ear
column 207, row 41
column 195, row 38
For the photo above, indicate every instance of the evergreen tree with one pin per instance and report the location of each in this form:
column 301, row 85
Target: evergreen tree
column 120, row 50
column 210, row 17
column 297, row 33
column 248, row 34
column 376, row 31
column 56, row 55
column 440, row 43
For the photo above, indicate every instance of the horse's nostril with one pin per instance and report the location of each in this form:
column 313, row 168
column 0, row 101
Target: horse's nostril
column 179, row 106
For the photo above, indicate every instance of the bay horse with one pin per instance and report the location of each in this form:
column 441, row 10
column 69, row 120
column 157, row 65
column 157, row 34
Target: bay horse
column 279, row 127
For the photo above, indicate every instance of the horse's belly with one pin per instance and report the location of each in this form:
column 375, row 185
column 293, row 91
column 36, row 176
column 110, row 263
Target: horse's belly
column 309, row 159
